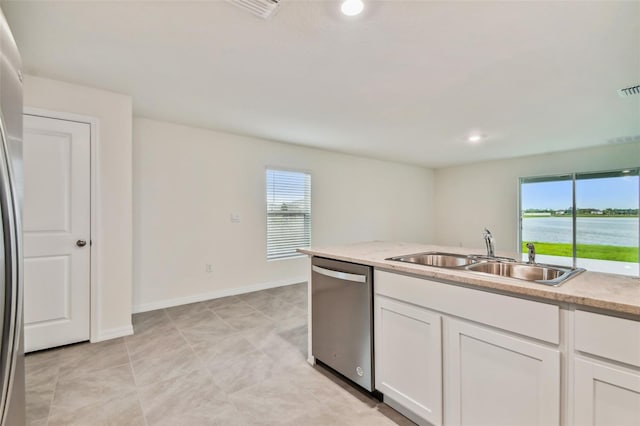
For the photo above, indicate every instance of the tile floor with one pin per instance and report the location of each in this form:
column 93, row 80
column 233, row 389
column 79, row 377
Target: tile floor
column 239, row 360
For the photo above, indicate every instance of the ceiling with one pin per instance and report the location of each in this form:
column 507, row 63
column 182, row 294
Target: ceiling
column 406, row 81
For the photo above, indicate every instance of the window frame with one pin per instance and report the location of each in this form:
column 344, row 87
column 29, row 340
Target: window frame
column 295, row 255
column 573, row 177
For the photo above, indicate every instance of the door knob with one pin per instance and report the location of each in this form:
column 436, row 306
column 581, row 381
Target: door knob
column 81, row 243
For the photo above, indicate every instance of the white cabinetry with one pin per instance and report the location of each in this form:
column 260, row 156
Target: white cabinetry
column 408, row 357
column 453, row 355
column 607, row 389
column 493, row 378
column 428, row 341
column 605, row 395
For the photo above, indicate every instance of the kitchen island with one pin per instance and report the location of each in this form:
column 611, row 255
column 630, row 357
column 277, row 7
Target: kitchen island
column 457, row 347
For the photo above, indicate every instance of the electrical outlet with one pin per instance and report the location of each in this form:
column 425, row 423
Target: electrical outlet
column 235, row 217
column 209, row 267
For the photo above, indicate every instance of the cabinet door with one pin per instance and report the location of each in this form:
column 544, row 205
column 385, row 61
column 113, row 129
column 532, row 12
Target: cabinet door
column 605, row 395
column 408, row 357
column 496, row 379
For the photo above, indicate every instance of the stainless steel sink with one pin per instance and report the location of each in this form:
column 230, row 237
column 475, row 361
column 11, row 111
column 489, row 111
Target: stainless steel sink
column 500, row 266
column 434, row 258
column 543, row 274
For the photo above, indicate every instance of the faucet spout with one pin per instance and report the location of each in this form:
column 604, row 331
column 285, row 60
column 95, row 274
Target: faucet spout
column 488, row 240
column 532, row 253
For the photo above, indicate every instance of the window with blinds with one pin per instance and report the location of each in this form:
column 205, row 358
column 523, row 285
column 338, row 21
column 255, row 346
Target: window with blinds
column 288, row 213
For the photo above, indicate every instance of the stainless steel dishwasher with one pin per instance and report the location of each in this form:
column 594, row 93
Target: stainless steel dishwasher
column 342, row 318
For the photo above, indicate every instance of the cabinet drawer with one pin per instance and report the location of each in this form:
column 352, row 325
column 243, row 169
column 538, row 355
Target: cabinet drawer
column 609, row 337
column 533, row 319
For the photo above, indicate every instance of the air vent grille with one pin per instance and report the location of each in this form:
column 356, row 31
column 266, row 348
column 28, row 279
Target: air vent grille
column 265, row 9
column 628, row 91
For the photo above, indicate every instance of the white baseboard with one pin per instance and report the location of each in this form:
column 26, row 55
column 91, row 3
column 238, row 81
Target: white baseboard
column 113, row 333
column 152, row 306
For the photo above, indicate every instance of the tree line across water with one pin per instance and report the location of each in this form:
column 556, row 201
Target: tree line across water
column 591, row 212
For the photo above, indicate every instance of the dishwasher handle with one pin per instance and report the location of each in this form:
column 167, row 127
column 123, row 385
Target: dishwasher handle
column 340, row 275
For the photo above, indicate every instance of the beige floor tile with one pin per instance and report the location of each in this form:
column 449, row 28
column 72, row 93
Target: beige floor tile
column 212, row 413
column 275, row 401
column 209, row 333
column 38, row 402
column 291, row 325
column 242, row 371
column 225, row 350
column 148, row 370
column 48, row 358
column 233, row 310
column 151, row 320
column 174, row 397
column 303, row 305
column 271, row 305
column 238, row 360
column 154, row 343
column 184, row 315
column 246, row 322
column 93, row 387
column 121, row 410
column 285, row 312
column 257, row 299
column 295, row 296
column 202, row 317
column 313, row 381
column 41, row 371
column 263, row 302
column 40, row 422
column 276, row 291
column 77, row 360
column 277, row 348
column 184, row 312
column 322, row 419
column 221, row 301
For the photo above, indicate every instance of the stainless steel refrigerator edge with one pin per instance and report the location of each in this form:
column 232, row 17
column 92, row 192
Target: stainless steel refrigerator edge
column 12, row 403
column 342, row 318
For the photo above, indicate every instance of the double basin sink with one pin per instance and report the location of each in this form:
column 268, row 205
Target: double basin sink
column 498, row 266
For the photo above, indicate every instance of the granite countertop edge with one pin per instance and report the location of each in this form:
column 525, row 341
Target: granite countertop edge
column 615, row 293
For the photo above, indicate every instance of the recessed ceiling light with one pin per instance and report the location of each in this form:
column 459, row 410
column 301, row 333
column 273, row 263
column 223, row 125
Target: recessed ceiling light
column 352, row 7
column 475, row 138
column 626, row 171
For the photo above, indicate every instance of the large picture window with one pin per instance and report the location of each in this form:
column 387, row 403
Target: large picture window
column 589, row 220
column 288, row 213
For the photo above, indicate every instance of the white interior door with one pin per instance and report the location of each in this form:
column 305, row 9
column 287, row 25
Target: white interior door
column 57, row 223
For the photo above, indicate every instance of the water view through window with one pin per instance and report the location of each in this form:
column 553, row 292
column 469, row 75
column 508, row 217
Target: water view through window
column 589, row 217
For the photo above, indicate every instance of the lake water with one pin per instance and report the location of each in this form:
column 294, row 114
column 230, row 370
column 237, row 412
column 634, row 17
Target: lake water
column 619, row 231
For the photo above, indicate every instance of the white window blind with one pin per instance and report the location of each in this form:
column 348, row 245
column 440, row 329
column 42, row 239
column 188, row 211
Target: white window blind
column 288, row 213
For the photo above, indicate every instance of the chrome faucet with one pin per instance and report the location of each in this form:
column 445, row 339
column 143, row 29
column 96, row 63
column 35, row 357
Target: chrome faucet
column 532, row 253
column 488, row 240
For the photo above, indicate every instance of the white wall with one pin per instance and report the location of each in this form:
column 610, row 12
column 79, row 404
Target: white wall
column 471, row 197
column 187, row 181
column 114, row 214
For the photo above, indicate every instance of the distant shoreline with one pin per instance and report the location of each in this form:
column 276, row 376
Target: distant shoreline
column 538, row 216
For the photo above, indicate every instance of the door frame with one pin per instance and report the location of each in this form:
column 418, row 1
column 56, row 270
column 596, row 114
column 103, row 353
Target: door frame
column 94, row 197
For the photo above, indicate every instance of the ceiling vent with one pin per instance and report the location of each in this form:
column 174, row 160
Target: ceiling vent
column 628, row 91
column 265, row 9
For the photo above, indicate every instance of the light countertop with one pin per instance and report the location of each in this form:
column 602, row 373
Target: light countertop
column 615, row 293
